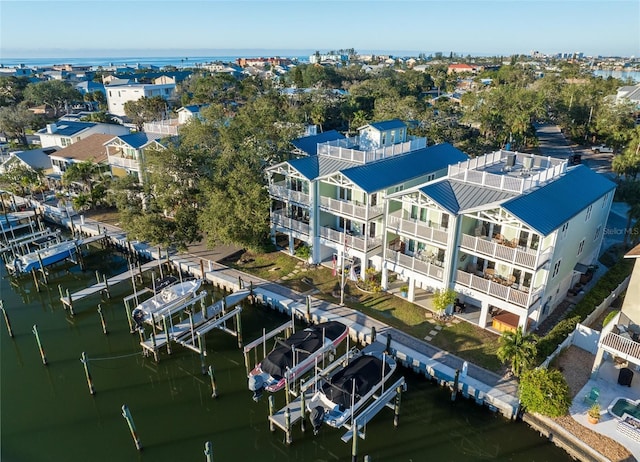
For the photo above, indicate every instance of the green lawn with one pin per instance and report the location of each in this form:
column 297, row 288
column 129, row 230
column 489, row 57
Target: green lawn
column 462, row 339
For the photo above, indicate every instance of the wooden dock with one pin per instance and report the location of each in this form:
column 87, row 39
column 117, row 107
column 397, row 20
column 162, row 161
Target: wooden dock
column 69, row 299
column 190, row 332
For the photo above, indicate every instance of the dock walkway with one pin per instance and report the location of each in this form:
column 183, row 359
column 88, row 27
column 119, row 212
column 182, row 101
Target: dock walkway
column 485, row 387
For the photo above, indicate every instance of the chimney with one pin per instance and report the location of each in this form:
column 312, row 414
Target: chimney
column 52, row 128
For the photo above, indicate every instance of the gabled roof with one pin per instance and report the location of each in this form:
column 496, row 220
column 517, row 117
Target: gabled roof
column 457, row 196
column 317, row 166
column 387, row 125
column 91, row 148
column 550, row 206
column 382, row 174
column 34, row 158
column 309, row 144
column 193, row 108
column 137, row 140
column 68, row 128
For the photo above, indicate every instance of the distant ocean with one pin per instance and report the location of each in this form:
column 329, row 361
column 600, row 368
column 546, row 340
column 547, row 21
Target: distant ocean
column 177, row 61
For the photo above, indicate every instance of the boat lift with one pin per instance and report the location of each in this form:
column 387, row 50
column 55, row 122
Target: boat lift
column 295, row 411
column 190, row 332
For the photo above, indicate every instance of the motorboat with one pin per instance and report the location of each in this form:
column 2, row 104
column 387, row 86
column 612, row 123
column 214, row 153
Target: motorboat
column 343, row 392
column 293, row 357
column 166, row 299
column 43, row 257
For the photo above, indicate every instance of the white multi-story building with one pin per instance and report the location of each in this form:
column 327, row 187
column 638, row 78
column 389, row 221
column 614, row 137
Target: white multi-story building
column 66, row 132
column 120, row 93
column 333, row 199
column 510, row 232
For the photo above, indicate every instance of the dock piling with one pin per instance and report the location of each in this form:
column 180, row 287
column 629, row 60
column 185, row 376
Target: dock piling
column 308, row 312
column 70, row 303
column 396, row 406
column 35, row 280
column 106, row 286
column 214, row 388
column 202, row 349
column 85, row 362
column 287, row 424
column 127, row 416
column 272, row 407
column 302, row 407
column 6, row 319
column 208, row 451
column 102, row 321
column 454, row 389
column 354, row 443
column 387, row 349
column 239, row 329
column 42, row 355
column 373, row 334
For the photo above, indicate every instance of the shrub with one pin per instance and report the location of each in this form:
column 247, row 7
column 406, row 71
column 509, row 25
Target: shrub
column 609, row 317
column 304, row 252
column 545, row 392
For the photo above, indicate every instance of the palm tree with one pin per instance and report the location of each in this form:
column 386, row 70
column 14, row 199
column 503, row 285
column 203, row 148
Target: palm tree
column 82, row 172
column 517, row 348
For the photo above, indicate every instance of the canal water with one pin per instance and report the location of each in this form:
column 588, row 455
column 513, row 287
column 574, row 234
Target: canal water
column 48, row 414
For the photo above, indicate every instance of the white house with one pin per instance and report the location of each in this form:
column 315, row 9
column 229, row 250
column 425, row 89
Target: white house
column 120, row 93
column 66, row 132
column 125, row 153
column 510, row 232
column 332, row 200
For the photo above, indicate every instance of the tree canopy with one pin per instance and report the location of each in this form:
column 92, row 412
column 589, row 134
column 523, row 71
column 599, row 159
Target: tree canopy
column 55, row 94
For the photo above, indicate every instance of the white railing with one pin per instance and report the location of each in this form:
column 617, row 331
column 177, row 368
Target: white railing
column 350, row 208
column 124, row 162
column 418, row 229
column 494, row 289
column 526, row 258
column 621, row 346
column 471, row 171
column 280, row 191
column 279, row 219
column 163, row 127
column 344, row 149
column 360, row 243
column 433, row 270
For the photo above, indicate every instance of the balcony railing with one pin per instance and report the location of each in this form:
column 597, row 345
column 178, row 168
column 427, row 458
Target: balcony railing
column 621, row 346
column 280, row 191
column 124, row 162
column 360, row 243
column 492, row 288
column 419, row 229
column 484, row 246
column 434, row 270
column 279, row 219
column 344, row 149
column 349, row 208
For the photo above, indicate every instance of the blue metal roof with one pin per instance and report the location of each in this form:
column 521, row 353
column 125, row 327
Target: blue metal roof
column 316, row 166
column 309, row 144
column 388, row 125
column 382, row 174
column 137, row 140
column 550, row 206
column 69, row 128
column 456, row 196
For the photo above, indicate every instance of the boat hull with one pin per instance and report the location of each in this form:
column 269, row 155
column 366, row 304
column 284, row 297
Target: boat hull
column 168, row 298
column 47, row 256
column 264, row 377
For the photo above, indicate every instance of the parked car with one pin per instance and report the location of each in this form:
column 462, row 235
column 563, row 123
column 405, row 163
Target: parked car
column 601, row 148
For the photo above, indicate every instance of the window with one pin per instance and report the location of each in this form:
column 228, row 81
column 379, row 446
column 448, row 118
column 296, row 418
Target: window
column 605, row 199
column 563, row 231
column 414, row 212
column 444, row 221
column 580, row 247
column 374, row 199
column 344, row 193
column 345, row 224
column 556, row 268
column 384, row 138
column 598, row 231
column 65, row 142
column 589, row 209
column 423, row 215
column 412, row 245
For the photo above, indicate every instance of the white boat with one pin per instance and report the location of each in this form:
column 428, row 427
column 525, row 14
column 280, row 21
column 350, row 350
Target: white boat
column 162, row 302
column 341, row 394
column 47, row 256
column 293, row 357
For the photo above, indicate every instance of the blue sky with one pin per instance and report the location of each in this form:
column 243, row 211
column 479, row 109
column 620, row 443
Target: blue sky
column 159, row 28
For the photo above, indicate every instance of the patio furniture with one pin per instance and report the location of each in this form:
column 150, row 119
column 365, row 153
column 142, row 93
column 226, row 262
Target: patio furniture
column 593, row 396
column 490, row 273
column 625, row 376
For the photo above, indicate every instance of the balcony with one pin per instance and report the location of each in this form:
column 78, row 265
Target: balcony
column 281, row 192
column 350, row 209
column 618, row 345
column 495, row 250
column 493, row 288
column 361, row 243
column 346, row 149
column 418, row 229
column 278, row 218
column 124, row 162
column 434, row 269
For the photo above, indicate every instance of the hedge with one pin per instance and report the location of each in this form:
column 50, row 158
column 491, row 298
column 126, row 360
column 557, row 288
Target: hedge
column 601, row 290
